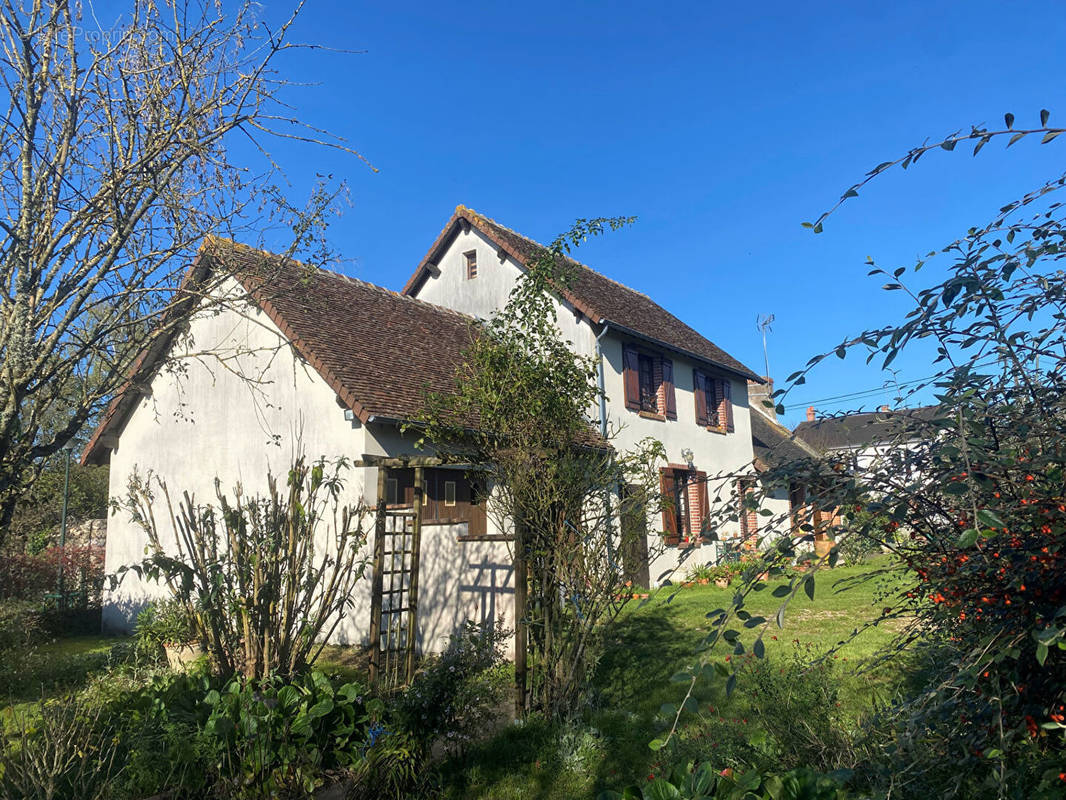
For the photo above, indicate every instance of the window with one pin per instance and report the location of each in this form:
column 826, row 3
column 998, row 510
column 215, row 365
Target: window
column 471, row 264
column 449, row 493
column 648, row 379
column 649, row 387
column 684, row 495
column 714, row 401
column 392, row 491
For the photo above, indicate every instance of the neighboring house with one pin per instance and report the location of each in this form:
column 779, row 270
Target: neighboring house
column 316, row 362
column 859, row 441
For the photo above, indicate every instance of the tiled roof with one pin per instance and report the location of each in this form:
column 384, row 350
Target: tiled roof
column 380, row 351
column 774, row 445
column 595, row 295
column 864, row 429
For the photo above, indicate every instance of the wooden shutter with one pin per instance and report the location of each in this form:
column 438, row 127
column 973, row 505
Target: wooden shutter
column 704, row 505
column 631, row 377
column 668, row 389
column 725, row 416
column 699, row 389
column 668, row 490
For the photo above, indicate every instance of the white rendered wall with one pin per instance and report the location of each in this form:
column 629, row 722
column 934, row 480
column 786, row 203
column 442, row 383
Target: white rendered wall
column 235, row 420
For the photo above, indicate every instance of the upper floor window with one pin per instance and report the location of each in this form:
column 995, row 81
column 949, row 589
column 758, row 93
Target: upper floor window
column 649, row 386
column 649, row 383
column 714, row 401
column 471, row 264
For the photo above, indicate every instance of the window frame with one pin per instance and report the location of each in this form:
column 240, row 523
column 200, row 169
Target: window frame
column 470, row 264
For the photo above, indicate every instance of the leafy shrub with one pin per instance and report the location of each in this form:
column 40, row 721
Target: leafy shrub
column 276, row 737
column 705, row 781
column 455, row 694
column 32, row 577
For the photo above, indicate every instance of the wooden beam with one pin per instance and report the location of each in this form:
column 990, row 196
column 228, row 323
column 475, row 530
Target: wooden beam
column 412, row 592
column 377, row 579
column 369, row 460
column 432, row 269
column 521, row 626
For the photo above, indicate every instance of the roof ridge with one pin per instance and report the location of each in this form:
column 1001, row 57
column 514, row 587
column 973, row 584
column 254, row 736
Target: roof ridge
column 460, row 208
column 334, row 274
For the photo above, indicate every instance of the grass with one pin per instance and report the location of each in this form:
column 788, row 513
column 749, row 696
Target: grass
column 58, row 666
column 654, row 640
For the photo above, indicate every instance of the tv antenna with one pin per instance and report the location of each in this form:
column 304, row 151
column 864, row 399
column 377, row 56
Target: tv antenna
column 763, row 322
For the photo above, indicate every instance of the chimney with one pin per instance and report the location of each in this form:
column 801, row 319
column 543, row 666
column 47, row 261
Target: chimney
column 810, row 413
column 884, row 409
column 758, row 393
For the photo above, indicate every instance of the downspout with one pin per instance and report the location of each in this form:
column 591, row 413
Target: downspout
column 603, row 391
column 603, row 434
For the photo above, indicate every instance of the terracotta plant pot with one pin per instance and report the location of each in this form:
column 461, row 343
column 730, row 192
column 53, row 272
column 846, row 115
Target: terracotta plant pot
column 179, row 656
column 721, row 583
column 704, row 581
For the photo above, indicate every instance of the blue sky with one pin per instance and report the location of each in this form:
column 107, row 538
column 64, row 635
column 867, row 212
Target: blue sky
column 721, row 126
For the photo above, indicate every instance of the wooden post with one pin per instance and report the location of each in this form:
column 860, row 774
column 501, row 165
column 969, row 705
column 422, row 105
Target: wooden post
column 377, row 579
column 521, row 631
column 412, row 596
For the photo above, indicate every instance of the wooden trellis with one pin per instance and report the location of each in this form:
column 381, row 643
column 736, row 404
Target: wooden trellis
column 394, row 598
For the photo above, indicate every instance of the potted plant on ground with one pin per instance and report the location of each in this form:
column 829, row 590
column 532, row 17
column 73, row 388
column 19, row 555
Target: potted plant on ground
column 167, row 626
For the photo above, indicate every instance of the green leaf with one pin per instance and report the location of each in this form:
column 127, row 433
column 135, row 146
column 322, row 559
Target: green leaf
column 1041, row 653
column 680, row 677
column 808, row 586
column 321, row 708
column 703, row 779
column 668, row 710
column 1009, row 119
column 759, row 649
column 730, row 684
column 968, row 538
column 1044, row 114
column 660, row 789
column 656, row 744
column 781, row 591
column 990, row 519
column 1049, row 136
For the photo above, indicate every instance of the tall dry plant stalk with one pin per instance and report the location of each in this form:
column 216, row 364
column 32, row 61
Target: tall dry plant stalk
column 267, row 578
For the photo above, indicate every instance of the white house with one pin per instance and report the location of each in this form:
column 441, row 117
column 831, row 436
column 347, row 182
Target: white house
column 308, row 360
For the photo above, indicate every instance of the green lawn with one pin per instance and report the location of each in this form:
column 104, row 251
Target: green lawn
column 61, row 665
column 653, row 640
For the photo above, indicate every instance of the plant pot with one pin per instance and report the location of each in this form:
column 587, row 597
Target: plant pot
column 703, row 581
column 179, row 656
column 721, row 583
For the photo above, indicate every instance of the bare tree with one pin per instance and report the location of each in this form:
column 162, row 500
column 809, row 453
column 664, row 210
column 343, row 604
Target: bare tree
column 114, row 165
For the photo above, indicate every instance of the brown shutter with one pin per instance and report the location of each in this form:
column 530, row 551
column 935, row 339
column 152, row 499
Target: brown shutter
column 704, row 505
column 669, row 502
column 668, row 387
column 631, row 377
column 699, row 389
column 726, row 416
